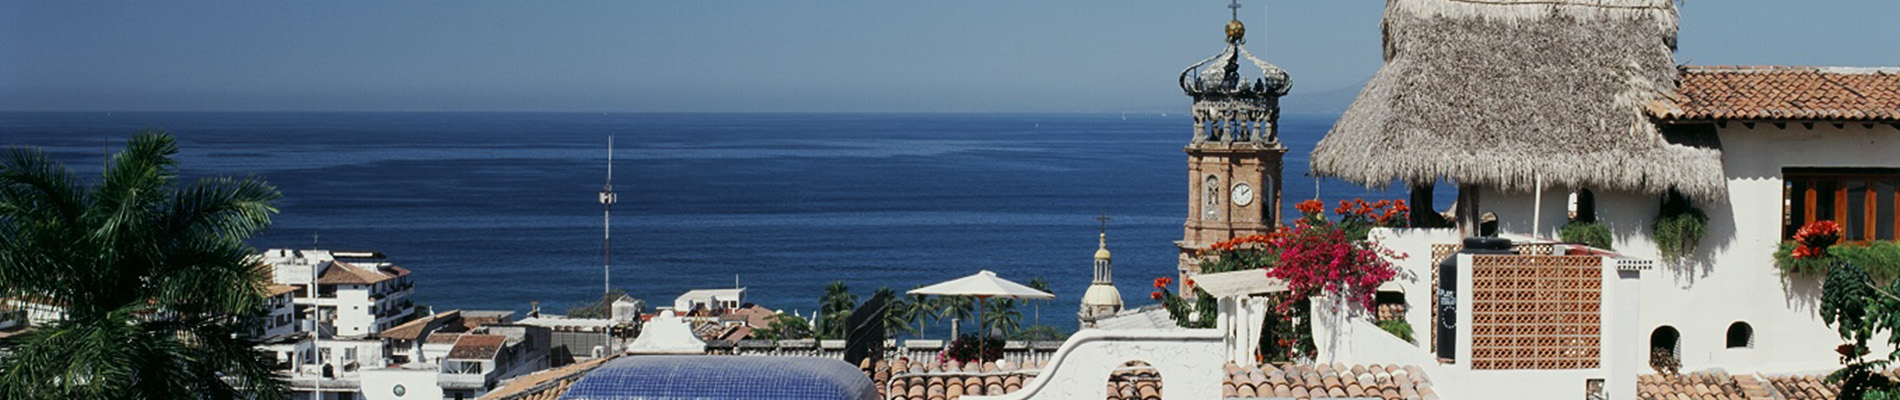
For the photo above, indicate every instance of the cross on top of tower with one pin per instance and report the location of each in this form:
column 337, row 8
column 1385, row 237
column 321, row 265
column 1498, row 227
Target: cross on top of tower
column 1234, row 7
column 1104, row 219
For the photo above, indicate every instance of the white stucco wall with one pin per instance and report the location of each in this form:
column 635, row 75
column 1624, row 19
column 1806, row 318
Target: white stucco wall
column 1189, row 361
column 1732, row 276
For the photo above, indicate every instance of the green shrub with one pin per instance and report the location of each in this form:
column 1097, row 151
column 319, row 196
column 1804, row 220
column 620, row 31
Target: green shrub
column 1679, row 227
column 1880, row 259
column 1594, row 234
column 1398, row 327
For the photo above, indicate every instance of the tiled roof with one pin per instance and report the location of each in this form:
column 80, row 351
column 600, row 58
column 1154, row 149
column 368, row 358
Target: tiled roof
column 903, row 380
column 274, row 290
column 342, row 273
column 1701, row 385
column 414, row 329
column 1721, row 385
column 545, row 385
column 443, row 338
column 1783, row 93
column 477, row 347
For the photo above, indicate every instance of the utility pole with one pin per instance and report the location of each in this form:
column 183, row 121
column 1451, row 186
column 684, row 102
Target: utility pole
column 607, row 200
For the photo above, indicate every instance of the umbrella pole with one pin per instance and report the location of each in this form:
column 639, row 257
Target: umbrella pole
column 983, row 331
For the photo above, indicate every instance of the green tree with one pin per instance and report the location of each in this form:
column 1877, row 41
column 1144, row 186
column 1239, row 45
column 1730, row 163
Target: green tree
column 897, row 313
column 785, row 327
column 154, row 274
column 834, row 309
column 1001, row 314
column 1862, row 310
column 921, row 310
column 959, row 307
column 1039, row 284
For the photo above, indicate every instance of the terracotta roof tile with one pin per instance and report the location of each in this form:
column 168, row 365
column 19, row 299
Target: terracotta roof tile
column 342, row 273
column 274, row 290
column 477, row 347
column 901, row 379
column 545, row 385
column 414, row 329
column 1721, row 385
column 1783, row 93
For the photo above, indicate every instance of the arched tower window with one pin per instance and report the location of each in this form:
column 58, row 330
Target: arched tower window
column 1740, row 335
column 1210, row 198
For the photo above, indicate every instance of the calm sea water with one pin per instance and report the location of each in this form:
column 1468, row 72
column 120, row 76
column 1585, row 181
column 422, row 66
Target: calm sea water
column 494, row 210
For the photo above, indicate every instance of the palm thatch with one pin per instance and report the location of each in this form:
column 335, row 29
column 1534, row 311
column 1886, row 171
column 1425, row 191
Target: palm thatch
column 1500, row 92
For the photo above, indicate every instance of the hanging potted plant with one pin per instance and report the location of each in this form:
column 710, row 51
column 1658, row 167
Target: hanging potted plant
column 1679, row 227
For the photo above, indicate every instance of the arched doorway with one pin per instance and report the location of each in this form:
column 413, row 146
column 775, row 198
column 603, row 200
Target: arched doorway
column 1665, row 350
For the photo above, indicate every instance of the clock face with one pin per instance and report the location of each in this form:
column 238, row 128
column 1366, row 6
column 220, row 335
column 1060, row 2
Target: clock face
column 1243, row 194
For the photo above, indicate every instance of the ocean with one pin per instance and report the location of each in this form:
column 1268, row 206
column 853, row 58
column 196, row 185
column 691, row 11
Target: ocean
column 497, row 210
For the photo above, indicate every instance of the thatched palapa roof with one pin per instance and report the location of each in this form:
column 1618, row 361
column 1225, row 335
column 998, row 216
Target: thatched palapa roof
column 1499, row 92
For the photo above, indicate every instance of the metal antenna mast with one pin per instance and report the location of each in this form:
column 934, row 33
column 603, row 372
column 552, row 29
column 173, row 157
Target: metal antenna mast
column 607, row 200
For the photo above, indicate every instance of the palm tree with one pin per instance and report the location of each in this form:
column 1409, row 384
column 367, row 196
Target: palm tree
column 835, row 308
column 1043, row 285
column 897, row 314
column 155, row 278
column 959, row 307
column 921, row 310
column 1002, row 314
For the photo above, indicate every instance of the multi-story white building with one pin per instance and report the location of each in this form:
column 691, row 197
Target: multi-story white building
column 358, row 293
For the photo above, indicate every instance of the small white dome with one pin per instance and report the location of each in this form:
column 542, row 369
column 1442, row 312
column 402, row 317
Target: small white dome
column 1102, row 295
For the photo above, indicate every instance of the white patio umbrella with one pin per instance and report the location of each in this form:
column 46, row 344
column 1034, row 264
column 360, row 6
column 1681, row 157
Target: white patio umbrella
column 983, row 285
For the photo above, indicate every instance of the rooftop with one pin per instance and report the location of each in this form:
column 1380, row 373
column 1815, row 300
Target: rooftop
column 477, row 347
column 1709, row 93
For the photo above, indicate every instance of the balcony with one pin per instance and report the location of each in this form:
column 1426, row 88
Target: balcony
column 462, row 381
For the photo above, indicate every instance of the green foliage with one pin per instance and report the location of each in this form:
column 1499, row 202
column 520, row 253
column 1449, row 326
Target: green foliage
column 1398, row 327
column 1200, row 314
column 1880, row 259
column 785, row 327
column 1860, row 311
column 898, row 313
column 1594, row 234
column 602, row 308
column 1679, row 227
column 1001, row 314
column 1239, row 260
column 155, row 276
column 1289, row 334
column 834, row 309
column 1038, row 332
column 968, row 348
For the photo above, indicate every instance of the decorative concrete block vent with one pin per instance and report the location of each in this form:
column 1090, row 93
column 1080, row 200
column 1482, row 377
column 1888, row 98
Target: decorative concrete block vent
column 1536, row 312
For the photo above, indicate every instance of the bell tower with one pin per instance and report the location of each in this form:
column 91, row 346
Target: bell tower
column 1234, row 156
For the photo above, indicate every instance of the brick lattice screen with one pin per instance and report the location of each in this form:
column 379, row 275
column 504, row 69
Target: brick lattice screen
column 1536, row 312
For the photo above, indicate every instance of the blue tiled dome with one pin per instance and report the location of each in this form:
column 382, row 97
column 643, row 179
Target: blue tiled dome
column 723, row 377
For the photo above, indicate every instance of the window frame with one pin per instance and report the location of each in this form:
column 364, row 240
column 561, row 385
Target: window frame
column 1836, row 180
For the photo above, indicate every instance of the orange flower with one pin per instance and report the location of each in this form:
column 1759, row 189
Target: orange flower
column 1155, row 295
column 1163, row 282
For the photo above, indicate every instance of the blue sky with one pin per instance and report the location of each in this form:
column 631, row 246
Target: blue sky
column 719, row 56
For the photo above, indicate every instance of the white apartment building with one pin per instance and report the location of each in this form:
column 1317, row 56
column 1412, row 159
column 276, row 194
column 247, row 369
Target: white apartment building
column 358, row 293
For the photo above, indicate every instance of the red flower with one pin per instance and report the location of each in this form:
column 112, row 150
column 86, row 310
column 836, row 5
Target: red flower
column 1814, row 238
column 1190, row 282
column 1311, row 207
column 1155, row 295
column 1163, row 282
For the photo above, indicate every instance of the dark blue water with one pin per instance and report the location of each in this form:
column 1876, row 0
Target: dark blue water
column 494, row 210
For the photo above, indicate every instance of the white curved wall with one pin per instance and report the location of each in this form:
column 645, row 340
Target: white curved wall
column 1189, row 361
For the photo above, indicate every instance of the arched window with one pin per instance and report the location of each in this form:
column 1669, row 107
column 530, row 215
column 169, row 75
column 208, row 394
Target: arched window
column 1583, row 206
column 1134, row 380
column 1488, row 224
column 1665, row 351
column 1740, row 335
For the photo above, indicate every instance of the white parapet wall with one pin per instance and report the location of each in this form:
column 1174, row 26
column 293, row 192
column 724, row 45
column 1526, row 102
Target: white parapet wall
column 1189, row 361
